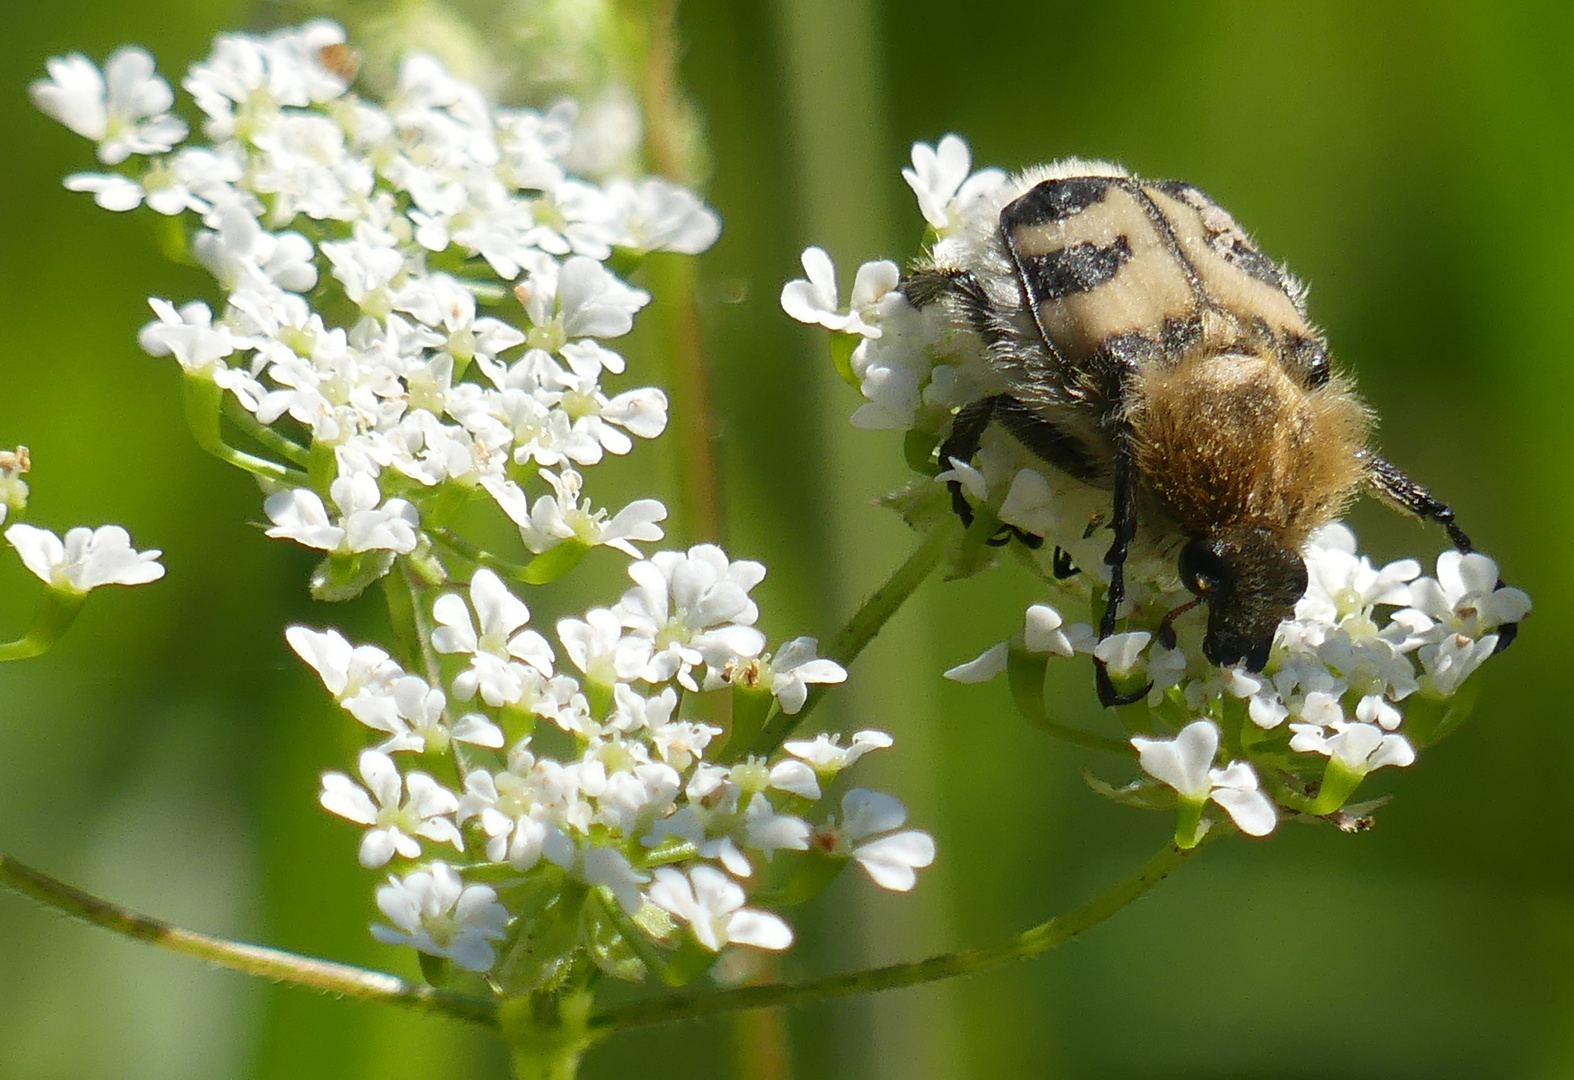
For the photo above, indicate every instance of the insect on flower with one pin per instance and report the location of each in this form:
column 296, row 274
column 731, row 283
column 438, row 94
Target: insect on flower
column 1136, row 339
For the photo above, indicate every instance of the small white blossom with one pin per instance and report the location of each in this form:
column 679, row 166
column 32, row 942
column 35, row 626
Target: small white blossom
column 394, row 822
column 434, row 911
column 712, row 906
column 814, row 301
column 794, row 666
column 827, row 757
column 86, row 559
column 1185, row 763
column 499, row 647
column 363, row 525
column 941, row 181
column 1360, row 748
column 1466, row 597
column 125, row 110
column 694, row 608
column 891, row 859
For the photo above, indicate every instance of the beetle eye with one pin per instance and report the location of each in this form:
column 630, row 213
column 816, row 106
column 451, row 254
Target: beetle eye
column 1202, row 567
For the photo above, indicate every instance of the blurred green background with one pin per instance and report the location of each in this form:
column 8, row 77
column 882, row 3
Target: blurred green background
column 1412, row 161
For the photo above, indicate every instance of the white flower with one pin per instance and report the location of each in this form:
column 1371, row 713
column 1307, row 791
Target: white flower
column 86, row 559
column 125, row 110
column 592, row 302
column 1466, row 597
column 1448, row 662
column 359, row 677
column 694, row 608
column 363, row 525
column 891, row 859
column 815, row 301
column 939, row 178
column 827, row 757
column 423, row 723
column 1185, row 763
column 598, row 646
column 394, row 822
column 563, row 515
column 437, row 913
column 712, row 905
column 1123, row 652
column 1360, row 748
column 188, row 335
column 499, row 644
column 1343, row 588
column 792, row 668
column 658, row 216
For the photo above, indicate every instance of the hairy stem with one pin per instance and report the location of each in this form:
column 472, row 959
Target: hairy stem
column 322, row 975
column 1038, row 939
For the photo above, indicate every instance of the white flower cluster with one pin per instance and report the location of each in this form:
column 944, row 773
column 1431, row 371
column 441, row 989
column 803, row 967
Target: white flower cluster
column 585, row 797
column 401, row 222
column 1358, row 679
column 606, row 790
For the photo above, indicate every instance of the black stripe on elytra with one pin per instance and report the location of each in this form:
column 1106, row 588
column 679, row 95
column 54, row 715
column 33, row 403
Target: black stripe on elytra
column 1161, row 225
column 1054, row 200
column 1075, row 268
column 1241, row 255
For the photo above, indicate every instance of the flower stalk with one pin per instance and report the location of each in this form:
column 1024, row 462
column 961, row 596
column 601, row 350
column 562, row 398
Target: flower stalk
column 325, row 976
column 1031, row 942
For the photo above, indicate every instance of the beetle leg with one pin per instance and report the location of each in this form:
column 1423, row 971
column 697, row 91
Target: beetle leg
column 1392, row 486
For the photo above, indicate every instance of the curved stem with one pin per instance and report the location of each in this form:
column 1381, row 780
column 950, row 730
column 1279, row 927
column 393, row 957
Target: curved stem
column 1038, row 939
column 322, row 975
column 56, row 612
column 866, row 622
column 279, row 444
column 1085, row 739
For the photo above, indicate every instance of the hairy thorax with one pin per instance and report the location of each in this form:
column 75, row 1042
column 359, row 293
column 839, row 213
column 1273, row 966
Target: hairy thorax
column 1229, row 443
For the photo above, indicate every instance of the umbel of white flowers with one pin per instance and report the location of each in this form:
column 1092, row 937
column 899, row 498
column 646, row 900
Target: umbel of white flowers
column 418, row 300
column 1365, row 672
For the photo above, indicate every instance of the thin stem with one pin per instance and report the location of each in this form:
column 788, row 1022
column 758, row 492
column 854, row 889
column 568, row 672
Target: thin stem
column 866, row 622
column 1085, row 739
column 672, row 148
column 279, row 444
column 1038, row 939
column 323, row 975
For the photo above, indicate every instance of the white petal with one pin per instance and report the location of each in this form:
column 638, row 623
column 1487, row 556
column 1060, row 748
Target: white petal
column 892, row 861
column 982, row 668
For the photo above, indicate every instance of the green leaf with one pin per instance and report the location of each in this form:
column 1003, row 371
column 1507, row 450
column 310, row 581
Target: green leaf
column 436, row 970
column 344, row 577
column 553, row 563
column 1143, row 793
column 918, row 447
column 842, row 346
column 751, row 707
column 609, row 949
column 541, row 947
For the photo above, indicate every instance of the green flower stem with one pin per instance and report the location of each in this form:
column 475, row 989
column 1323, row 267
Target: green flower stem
column 288, row 449
column 55, row 614
column 866, row 622
column 322, row 975
column 204, row 402
column 1040, row 938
